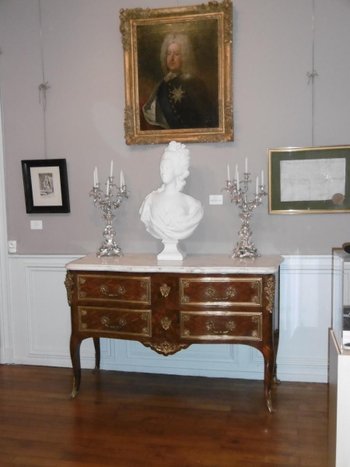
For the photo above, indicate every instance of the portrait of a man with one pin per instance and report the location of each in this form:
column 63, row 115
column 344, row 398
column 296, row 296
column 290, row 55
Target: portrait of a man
column 180, row 99
column 178, row 73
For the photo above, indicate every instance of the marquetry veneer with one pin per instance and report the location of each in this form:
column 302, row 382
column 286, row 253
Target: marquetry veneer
column 167, row 307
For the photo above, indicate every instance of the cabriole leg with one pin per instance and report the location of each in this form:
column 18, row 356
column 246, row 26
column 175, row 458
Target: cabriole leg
column 268, row 376
column 75, row 357
column 97, row 352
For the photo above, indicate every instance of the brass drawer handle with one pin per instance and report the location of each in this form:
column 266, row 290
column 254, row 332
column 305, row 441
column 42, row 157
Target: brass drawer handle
column 229, row 293
column 121, row 323
column 104, row 289
column 210, row 325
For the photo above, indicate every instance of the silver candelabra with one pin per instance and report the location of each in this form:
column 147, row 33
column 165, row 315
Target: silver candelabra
column 108, row 201
column 238, row 191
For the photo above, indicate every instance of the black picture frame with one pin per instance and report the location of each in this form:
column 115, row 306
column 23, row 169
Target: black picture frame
column 45, row 185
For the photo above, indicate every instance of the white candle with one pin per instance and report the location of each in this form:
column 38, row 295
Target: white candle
column 121, row 179
column 237, row 175
column 111, row 170
column 257, row 185
column 95, row 177
column 107, row 187
column 246, row 165
column 228, row 172
column 262, row 177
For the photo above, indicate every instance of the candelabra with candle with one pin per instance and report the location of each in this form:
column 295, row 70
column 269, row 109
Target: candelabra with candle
column 108, row 201
column 238, row 191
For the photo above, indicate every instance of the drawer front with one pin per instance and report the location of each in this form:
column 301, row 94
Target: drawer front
column 221, row 325
column 131, row 289
column 115, row 321
column 221, row 291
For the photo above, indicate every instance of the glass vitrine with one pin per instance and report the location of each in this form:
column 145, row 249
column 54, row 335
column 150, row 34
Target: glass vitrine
column 341, row 297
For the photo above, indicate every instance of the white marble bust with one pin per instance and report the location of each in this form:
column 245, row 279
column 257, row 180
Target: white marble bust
column 167, row 213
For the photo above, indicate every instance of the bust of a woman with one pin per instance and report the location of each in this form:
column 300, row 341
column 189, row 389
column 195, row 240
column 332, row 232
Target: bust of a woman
column 167, row 213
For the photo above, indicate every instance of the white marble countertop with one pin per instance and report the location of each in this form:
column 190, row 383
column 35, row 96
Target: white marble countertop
column 192, row 264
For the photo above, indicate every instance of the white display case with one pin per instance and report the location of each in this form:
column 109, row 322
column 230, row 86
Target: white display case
column 339, row 362
column 341, row 297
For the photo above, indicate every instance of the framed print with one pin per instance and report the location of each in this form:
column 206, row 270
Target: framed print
column 309, row 180
column 178, row 73
column 45, row 185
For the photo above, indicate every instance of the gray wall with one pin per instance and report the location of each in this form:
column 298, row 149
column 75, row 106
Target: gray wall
column 83, row 63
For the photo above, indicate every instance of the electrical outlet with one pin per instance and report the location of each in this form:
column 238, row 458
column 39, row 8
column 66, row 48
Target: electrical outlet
column 12, row 246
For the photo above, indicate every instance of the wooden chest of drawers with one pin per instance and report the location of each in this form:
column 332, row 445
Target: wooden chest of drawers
column 168, row 307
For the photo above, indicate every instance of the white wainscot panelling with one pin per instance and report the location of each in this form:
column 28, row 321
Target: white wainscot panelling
column 40, row 323
column 40, row 312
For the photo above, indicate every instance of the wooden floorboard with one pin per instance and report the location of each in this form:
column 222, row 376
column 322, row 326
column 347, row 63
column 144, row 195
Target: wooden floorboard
column 132, row 419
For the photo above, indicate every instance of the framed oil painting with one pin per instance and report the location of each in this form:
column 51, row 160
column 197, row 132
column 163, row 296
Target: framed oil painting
column 178, row 73
column 45, row 185
column 310, row 180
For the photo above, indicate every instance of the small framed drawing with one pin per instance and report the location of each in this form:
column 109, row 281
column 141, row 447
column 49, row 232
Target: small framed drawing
column 310, row 180
column 178, row 73
column 45, row 185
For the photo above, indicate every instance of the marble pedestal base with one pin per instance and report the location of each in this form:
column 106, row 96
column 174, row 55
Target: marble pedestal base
column 171, row 251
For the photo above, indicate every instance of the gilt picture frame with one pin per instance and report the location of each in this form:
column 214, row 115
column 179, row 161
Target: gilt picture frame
column 187, row 103
column 309, row 180
column 45, row 185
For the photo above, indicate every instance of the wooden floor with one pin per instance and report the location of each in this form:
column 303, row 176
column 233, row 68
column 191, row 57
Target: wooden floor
column 129, row 419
